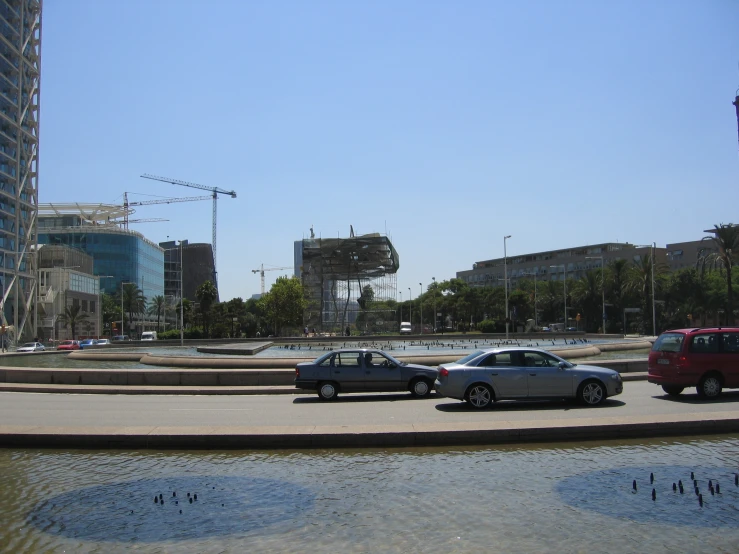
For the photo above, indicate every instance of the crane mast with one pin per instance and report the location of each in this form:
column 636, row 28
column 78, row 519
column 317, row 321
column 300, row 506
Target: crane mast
column 215, row 191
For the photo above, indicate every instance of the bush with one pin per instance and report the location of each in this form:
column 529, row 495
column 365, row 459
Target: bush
column 487, row 326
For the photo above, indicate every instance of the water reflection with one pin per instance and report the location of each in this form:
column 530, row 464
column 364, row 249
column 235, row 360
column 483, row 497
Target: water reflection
column 544, row 498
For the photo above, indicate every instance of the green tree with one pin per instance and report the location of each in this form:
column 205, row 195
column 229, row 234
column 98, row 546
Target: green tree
column 111, row 311
column 206, row 294
column 72, row 316
column 157, row 306
column 726, row 240
column 587, row 298
column 134, row 302
column 283, row 305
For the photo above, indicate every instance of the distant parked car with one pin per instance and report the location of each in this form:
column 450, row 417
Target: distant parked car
column 103, row 342
column 706, row 358
column 31, row 347
column 362, row 370
column 519, row 373
column 149, row 335
column 87, row 342
column 116, row 338
column 69, row 345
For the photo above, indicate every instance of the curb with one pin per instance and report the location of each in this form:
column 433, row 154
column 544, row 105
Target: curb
column 421, row 435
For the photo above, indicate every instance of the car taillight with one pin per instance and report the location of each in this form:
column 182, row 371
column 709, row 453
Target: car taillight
column 297, row 372
column 443, row 372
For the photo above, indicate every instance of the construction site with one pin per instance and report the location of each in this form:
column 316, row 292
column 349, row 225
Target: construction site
column 349, row 282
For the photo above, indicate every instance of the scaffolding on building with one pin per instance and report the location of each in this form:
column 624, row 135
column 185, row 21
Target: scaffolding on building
column 350, row 282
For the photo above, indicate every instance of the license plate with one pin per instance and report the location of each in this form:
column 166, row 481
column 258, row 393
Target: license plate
column 663, row 361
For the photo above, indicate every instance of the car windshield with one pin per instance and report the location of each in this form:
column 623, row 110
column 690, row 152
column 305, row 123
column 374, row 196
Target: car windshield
column 469, row 357
column 31, row 344
column 669, row 342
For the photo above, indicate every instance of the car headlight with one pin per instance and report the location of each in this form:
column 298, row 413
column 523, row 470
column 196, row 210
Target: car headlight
column 616, row 377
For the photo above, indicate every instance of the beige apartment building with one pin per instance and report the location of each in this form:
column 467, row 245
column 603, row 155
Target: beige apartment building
column 555, row 265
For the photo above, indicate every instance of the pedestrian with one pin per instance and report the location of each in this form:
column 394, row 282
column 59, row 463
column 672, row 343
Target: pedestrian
column 305, row 330
column 348, row 331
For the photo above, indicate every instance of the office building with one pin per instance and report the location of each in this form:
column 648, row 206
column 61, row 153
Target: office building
column 196, row 262
column 20, row 66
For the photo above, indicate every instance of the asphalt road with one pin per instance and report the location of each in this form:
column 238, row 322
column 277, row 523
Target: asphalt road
column 92, row 411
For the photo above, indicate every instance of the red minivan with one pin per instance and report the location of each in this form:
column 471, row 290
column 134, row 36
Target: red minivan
column 705, row 358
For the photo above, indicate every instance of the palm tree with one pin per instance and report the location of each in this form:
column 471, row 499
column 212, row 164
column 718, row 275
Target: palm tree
column 157, row 306
column 726, row 240
column 642, row 280
column 72, row 316
column 617, row 284
column 586, row 294
column 134, row 301
column 206, row 294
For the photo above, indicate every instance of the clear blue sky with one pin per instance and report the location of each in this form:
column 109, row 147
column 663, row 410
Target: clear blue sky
column 445, row 124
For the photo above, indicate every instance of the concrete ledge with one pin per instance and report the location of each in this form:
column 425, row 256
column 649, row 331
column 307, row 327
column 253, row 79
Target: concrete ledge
column 502, row 432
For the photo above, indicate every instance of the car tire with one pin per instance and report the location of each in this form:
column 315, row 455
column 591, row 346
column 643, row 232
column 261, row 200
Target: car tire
column 673, row 390
column 591, row 393
column 479, row 396
column 420, row 387
column 327, row 391
column 710, row 386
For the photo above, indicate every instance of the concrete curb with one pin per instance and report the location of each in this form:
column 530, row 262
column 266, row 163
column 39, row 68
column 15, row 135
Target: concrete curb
column 413, row 435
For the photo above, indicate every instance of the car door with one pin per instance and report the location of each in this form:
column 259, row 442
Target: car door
column 348, row 371
column 545, row 377
column 508, row 379
column 382, row 374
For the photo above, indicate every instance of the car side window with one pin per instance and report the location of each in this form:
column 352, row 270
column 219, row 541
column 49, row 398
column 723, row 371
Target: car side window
column 504, row 359
column 704, row 344
column 731, row 342
column 328, row 362
column 487, row 361
column 348, row 359
column 537, row 359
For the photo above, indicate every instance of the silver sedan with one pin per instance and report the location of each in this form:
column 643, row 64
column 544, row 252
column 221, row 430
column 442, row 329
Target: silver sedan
column 486, row 376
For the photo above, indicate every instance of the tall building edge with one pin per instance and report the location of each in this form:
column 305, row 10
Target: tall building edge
column 20, row 82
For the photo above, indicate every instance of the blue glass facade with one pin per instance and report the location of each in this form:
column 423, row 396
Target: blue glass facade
column 126, row 255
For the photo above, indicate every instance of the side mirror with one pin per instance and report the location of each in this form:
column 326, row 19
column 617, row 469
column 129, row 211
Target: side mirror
column 563, row 365
column 391, row 365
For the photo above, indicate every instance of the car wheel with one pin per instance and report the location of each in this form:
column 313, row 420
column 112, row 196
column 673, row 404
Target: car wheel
column 673, row 390
column 420, row 388
column 327, row 391
column 591, row 393
column 710, row 386
column 479, row 396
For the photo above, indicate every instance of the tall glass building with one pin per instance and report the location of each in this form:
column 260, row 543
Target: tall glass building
column 20, row 71
column 118, row 255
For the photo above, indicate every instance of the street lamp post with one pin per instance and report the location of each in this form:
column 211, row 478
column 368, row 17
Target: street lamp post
column 410, row 307
column 602, row 286
column 564, row 267
column 435, row 314
column 420, row 298
column 401, row 306
column 182, row 301
column 654, row 308
column 505, row 282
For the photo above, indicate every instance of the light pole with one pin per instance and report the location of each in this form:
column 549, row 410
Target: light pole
column 435, row 314
column 182, row 301
column 410, row 307
column 420, row 298
column 401, row 306
column 505, row 282
column 602, row 286
column 564, row 267
column 654, row 308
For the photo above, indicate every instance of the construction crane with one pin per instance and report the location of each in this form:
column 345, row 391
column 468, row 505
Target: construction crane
column 215, row 191
column 262, row 269
column 128, row 211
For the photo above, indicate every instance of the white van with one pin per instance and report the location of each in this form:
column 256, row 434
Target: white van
column 405, row 328
column 149, row 335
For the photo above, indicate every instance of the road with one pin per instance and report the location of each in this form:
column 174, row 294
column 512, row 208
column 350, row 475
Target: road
column 91, row 411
